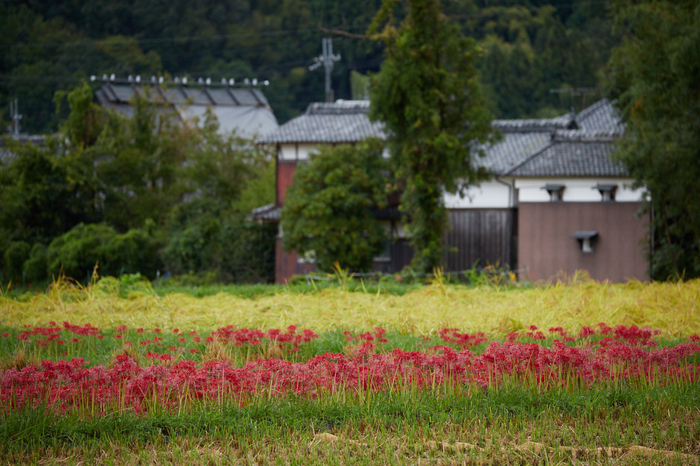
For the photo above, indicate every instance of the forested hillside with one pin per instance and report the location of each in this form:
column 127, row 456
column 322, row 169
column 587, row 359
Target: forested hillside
column 534, row 52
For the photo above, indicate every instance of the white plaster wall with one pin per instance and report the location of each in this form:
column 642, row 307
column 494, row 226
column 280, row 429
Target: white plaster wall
column 290, row 152
column 577, row 189
column 488, row 195
column 305, row 150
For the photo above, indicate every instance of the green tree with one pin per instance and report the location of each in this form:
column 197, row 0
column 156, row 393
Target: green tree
column 328, row 209
column 654, row 75
column 428, row 95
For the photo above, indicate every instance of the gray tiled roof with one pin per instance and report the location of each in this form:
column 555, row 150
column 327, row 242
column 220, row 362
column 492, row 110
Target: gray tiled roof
column 347, row 121
column 243, row 109
column 267, row 212
column 572, row 158
column 337, row 122
column 601, row 116
column 579, row 152
column 566, row 121
column 512, row 150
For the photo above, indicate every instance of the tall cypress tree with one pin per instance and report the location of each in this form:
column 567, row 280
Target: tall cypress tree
column 427, row 94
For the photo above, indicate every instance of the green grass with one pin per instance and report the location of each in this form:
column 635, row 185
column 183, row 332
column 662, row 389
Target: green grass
column 394, row 427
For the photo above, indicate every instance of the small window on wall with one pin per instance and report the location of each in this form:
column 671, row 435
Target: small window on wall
column 586, row 240
column 607, row 191
column 556, row 192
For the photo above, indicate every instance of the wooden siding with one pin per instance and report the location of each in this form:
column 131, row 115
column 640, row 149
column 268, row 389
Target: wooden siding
column 286, row 264
column 479, row 236
column 285, row 177
column 546, row 248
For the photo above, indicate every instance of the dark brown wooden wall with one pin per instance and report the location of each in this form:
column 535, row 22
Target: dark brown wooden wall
column 479, row 236
column 546, row 248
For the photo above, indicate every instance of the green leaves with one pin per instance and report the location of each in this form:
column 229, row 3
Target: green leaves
column 428, row 97
column 329, row 208
column 654, row 75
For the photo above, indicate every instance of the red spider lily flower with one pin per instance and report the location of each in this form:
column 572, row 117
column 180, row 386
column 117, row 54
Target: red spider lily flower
column 5, row 335
column 533, row 327
column 117, row 337
column 194, row 350
column 157, row 330
column 165, row 357
column 197, row 339
column 74, row 340
column 139, row 330
column 181, row 340
column 176, row 330
column 193, row 332
column 145, row 342
column 122, row 329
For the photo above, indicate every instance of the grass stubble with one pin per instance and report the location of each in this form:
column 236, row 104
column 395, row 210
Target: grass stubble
column 602, row 426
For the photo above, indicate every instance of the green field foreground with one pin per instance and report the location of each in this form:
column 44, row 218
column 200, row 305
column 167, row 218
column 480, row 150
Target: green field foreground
column 627, row 421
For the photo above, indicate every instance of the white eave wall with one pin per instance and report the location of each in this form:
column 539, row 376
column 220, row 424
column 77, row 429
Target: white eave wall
column 577, row 189
column 493, row 194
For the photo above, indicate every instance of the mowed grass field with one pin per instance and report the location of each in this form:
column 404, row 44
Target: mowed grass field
column 351, row 373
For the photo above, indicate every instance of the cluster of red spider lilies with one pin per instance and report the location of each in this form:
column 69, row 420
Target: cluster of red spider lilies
column 171, row 370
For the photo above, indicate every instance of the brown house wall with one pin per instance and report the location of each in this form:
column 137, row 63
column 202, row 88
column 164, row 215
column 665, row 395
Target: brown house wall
column 286, row 265
column 546, row 247
column 285, row 176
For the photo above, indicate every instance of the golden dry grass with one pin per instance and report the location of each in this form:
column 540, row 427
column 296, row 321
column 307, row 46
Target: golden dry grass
column 671, row 307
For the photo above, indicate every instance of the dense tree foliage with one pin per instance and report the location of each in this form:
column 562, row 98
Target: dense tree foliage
column 428, row 96
column 134, row 195
column 531, row 46
column 656, row 77
column 328, row 211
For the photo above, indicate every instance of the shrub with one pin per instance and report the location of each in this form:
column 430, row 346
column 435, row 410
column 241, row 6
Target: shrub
column 35, row 266
column 16, row 253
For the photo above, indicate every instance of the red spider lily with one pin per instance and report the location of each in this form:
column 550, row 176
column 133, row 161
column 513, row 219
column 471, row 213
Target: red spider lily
column 623, row 353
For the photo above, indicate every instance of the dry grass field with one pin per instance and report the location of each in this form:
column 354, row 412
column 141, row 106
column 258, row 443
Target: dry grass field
column 673, row 308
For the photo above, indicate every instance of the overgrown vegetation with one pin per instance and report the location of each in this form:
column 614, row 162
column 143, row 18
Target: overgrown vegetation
column 329, row 210
column 141, row 195
column 429, row 98
column 654, row 75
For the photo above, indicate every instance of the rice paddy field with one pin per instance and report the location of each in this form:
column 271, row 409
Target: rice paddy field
column 581, row 372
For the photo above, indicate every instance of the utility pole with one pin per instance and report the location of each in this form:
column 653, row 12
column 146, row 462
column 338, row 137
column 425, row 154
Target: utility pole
column 326, row 59
column 14, row 112
column 582, row 92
